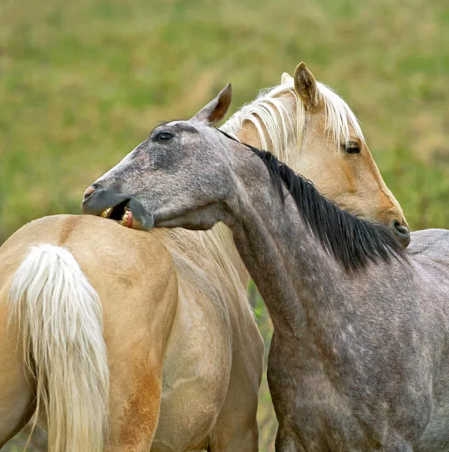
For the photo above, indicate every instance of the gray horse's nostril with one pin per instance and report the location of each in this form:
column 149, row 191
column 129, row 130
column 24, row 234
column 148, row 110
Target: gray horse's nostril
column 90, row 190
column 401, row 232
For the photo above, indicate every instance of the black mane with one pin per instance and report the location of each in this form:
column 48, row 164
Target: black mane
column 351, row 240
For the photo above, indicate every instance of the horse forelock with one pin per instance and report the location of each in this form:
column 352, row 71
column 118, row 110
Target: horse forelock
column 271, row 117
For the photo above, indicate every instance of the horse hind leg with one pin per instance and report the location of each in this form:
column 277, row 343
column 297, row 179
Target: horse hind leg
column 16, row 393
column 136, row 337
column 135, row 368
column 16, row 405
column 135, row 404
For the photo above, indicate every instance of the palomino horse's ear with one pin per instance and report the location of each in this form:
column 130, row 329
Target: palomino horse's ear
column 305, row 86
column 286, row 78
column 216, row 109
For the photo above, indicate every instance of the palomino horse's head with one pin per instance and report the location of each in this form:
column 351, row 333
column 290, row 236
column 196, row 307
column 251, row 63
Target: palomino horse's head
column 313, row 130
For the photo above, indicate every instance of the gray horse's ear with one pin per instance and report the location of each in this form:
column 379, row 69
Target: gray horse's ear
column 306, row 87
column 216, row 109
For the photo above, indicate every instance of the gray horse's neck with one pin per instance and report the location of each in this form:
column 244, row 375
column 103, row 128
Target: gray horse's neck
column 289, row 266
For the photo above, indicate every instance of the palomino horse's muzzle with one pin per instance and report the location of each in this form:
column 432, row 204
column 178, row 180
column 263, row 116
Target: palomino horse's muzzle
column 401, row 232
column 101, row 201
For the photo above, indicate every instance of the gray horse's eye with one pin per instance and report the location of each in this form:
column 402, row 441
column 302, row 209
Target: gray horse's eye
column 163, row 136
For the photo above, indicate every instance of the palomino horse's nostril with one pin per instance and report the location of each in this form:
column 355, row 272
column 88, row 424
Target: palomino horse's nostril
column 401, row 232
column 89, row 191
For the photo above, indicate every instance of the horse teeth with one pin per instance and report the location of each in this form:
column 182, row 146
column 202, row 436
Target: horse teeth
column 107, row 213
column 125, row 218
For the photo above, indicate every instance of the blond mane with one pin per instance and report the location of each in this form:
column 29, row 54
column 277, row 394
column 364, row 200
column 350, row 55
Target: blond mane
column 271, row 114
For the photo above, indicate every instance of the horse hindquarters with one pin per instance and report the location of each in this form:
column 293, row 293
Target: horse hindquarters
column 59, row 318
column 135, row 279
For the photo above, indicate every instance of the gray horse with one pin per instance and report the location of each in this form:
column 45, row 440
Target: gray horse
column 359, row 360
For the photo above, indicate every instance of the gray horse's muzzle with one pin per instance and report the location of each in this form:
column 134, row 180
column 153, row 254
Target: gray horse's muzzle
column 98, row 199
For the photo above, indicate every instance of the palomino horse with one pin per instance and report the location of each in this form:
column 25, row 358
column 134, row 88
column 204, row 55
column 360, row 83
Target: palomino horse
column 360, row 357
column 213, row 355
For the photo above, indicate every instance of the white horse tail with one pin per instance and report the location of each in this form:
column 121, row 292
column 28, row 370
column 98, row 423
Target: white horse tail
column 59, row 317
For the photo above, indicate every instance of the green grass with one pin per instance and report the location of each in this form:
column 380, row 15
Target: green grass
column 81, row 83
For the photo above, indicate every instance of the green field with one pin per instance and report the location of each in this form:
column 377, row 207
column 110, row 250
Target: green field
column 82, row 82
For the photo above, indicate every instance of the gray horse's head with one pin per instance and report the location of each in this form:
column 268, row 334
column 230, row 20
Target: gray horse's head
column 180, row 176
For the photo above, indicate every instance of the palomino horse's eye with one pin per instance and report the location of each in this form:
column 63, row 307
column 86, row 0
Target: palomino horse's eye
column 351, row 148
column 163, row 136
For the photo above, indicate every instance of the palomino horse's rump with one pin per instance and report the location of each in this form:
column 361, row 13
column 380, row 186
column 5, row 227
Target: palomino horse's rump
column 59, row 278
column 59, row 317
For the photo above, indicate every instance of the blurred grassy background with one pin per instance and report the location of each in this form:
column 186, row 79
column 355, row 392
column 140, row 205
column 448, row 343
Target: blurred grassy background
column 81, row 83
